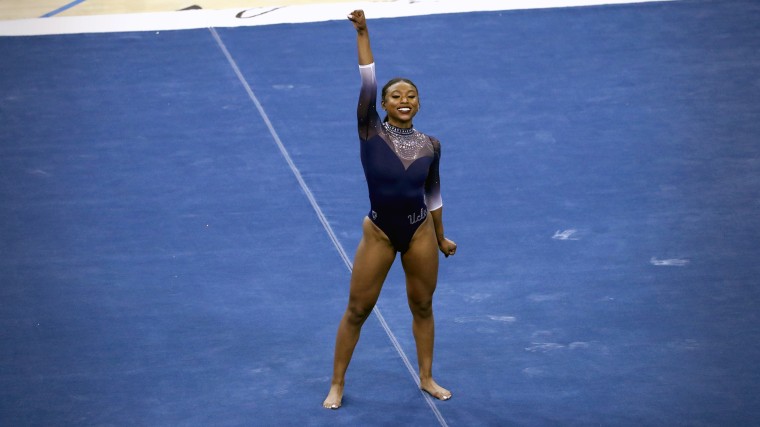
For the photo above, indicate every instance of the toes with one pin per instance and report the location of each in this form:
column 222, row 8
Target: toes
column 442, row 396
column 327, row 405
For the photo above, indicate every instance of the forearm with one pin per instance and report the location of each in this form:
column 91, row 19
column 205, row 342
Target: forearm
column 438, row 224
column 362, row 43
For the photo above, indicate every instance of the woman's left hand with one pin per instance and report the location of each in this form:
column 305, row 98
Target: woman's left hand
column 447, row 247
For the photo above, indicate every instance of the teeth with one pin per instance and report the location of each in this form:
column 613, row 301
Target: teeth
column 405, row 109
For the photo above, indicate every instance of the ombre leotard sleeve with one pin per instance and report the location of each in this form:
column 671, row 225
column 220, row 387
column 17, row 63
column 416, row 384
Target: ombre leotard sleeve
column 366, row 111
column 433, row 198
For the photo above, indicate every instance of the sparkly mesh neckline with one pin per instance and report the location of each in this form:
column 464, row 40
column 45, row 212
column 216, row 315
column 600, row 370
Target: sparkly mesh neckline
column 407, row 142
column 400, row 131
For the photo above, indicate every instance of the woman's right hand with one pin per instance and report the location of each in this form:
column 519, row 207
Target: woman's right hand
column 357, row 18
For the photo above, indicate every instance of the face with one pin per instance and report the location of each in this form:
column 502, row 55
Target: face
column 401, row 103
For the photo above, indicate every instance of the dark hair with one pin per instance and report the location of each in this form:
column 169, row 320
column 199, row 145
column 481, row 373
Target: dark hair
column 392, row 82
column 395, row 80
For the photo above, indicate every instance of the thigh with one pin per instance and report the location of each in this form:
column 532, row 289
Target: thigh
column 420, row 263
column 372, row 261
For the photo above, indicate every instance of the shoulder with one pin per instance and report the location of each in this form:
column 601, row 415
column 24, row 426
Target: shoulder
column 434, row 141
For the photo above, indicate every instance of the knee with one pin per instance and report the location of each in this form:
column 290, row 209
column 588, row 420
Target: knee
column 421, row 308
column 356, row 314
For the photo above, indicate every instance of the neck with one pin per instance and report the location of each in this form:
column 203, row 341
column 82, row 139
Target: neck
column 399, row 130
column 398, row 124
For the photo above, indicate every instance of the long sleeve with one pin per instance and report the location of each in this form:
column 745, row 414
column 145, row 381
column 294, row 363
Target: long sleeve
column 366, row 111
column 433, row 198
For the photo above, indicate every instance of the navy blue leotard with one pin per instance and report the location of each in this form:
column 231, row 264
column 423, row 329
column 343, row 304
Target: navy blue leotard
column 401, row 168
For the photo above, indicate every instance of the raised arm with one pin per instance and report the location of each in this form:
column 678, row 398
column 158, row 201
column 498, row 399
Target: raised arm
column 366, row 111
column 362, row 37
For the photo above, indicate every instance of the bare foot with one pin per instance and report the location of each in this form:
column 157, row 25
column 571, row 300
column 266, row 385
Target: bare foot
column 432, row 388
column 334, row 397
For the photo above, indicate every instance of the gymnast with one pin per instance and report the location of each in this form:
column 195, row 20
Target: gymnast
column 401, row 168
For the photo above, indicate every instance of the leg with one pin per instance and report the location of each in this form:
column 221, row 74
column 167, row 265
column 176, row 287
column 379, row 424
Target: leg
column 420, row 263
column 373, row 259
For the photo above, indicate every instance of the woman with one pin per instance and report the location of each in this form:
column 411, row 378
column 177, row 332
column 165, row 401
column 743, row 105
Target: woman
column 401, row 167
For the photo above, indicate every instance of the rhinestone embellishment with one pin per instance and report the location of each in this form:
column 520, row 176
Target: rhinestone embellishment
column 407, row 142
